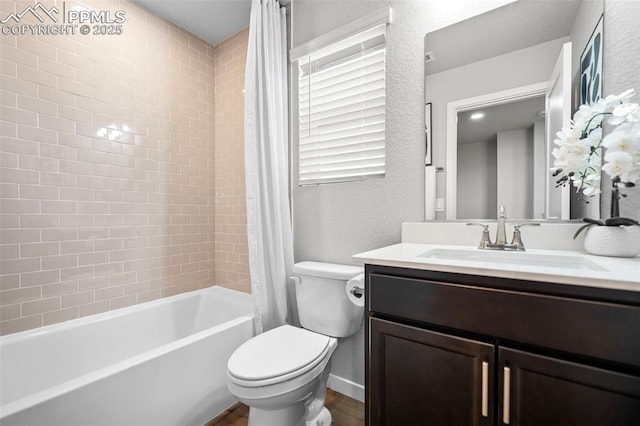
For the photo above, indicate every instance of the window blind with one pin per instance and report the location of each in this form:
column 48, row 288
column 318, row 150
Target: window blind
column 342, row 110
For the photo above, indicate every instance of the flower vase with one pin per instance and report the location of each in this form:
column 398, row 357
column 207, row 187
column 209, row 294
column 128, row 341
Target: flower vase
column 613, row 241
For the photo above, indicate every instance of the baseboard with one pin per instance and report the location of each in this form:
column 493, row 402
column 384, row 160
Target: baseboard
column 346, row 387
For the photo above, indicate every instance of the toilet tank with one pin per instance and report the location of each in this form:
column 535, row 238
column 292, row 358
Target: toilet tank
column 322, row 300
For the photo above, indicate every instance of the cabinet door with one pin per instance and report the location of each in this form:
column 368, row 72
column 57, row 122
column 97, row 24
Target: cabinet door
column 420, row 377
column 538, row 390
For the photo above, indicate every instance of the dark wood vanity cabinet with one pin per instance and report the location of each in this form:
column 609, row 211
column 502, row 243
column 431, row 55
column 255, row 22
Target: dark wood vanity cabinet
column 424, row 377
column 451, row 349
column 549, row 391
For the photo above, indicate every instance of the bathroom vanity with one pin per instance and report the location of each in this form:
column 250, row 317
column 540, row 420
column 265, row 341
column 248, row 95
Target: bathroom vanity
column 521, row 340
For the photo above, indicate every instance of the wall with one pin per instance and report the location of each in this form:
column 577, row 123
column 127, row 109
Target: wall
column 231, row 249
column 108, row 195
column 621, row 64
column 539, row 169
column 477, row 173
column 515, row 172
column 333, row 222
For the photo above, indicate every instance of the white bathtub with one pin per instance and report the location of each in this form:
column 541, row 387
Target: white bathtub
column 158, row 363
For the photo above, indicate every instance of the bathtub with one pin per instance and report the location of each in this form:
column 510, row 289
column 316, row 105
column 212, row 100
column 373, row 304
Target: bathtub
column 157, row 363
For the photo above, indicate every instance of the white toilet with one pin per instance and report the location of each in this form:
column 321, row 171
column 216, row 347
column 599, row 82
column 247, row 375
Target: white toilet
column 282, row 374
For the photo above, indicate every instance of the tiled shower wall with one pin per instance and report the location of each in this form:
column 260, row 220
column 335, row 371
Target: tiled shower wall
column 108, row 160
column 232, row 268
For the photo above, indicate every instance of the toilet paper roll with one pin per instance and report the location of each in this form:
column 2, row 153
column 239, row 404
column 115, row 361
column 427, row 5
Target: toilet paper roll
column 355, row 290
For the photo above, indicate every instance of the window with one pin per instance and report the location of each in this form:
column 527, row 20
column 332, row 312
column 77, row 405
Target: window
column 342, row 109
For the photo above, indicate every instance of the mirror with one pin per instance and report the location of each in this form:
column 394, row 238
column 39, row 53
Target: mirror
column 515, row 70
column 495, row 144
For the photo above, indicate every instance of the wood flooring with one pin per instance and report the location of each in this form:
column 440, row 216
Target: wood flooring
column 344, row 410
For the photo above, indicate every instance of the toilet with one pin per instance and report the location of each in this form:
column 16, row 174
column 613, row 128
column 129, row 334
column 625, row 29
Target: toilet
column 282, row 374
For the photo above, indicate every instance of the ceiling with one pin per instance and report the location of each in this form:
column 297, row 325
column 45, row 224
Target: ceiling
column 500, row 118
column 211, row 20
column 515, row 26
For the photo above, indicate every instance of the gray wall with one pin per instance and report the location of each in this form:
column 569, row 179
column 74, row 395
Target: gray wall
column 621, row 72
column 333, row 222
column 477, row 180
column 539, row 169
column 515, row 172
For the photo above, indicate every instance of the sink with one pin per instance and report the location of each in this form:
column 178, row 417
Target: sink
column 560, row 261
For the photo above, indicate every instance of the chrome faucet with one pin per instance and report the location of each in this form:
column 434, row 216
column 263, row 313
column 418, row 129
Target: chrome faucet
column 501, row 235
column 517, row 237
column 486, row 238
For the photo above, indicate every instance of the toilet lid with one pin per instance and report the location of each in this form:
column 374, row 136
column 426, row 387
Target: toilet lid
column 278, row 352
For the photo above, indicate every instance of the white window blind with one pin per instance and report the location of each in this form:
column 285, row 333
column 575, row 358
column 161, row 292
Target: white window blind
column 342, row 110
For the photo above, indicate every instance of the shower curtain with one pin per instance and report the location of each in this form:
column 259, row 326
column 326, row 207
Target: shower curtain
column 266, row 172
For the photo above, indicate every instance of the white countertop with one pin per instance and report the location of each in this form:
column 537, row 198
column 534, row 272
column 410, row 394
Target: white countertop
column 587, row 270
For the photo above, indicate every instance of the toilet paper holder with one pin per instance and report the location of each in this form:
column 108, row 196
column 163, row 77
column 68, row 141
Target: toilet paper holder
column 357, row 291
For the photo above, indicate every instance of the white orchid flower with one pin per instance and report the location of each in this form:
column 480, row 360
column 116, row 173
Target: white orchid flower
column 620, row 164
column 612, row 101
column 629, row 112
column 622, row 140
column 579, row 145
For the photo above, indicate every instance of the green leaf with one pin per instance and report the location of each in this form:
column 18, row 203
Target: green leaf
column 593, row 221
column 620, row 221
column 582, row 228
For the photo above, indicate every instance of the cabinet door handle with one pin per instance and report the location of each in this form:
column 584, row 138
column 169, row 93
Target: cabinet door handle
column 485, row 389
column 506, row 397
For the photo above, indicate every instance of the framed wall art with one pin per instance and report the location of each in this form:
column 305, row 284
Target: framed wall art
column 591, row 68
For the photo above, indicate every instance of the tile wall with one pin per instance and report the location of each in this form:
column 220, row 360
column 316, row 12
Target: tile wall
column 109, row 168
column 231, row 263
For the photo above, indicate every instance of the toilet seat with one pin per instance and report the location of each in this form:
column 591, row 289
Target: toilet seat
column 277, row 356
